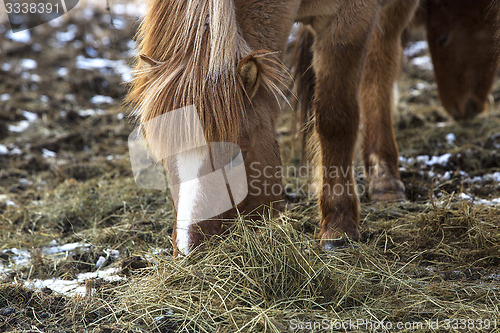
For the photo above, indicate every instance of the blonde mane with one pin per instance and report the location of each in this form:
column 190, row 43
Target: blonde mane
column 192, row 50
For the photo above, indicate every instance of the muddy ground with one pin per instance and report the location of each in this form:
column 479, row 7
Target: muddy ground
column 65, row 178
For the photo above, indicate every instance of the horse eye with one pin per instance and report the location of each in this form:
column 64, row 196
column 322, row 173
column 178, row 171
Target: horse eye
column 443, row 39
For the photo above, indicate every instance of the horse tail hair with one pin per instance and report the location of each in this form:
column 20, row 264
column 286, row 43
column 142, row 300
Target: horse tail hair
column 189, row 52
column 304, row 80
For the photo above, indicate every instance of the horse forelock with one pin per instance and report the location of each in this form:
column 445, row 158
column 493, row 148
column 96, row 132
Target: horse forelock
column 196, row 47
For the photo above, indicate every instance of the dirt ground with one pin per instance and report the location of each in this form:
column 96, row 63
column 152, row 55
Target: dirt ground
column 65, row 178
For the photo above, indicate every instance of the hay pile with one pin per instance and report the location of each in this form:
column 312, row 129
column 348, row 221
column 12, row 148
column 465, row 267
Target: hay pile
column 268, row 276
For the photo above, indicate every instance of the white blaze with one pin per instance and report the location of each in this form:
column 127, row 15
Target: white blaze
column 188, row 166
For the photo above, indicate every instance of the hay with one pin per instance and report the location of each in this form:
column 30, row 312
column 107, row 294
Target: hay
column 266, row 275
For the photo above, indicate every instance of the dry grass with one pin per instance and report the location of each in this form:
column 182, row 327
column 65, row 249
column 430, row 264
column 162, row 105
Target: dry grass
column 264, row 274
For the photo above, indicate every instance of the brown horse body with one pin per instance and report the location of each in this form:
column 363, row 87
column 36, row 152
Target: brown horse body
column 209, row 54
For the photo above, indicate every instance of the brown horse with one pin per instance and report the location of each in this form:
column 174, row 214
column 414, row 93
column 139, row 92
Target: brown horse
column 221, row 58
column 463, row 40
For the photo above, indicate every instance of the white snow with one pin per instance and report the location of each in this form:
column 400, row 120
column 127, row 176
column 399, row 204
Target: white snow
column 423, row 63
column 416, row 48
column 67, row 36
column 100, row 262
column 129, row 9
column 30, row 116
column 28, row 64
column 19, row 257
column 120, row 67
column 20, row 127
column 62, row 71
column 132, row 49
column 427, row 160
column 119, row 23
column 438, row 160
column 23, row 124
column 76, row 286
column 48, row 153
column 90, row 112
column 20, row 36
column 100, row 99
column 488, row 177
column 464, row 196
column 31, row 77
column 63, row 248
column 450, row 138
column 3, row 150
column 492, row 202
column 493, row 176
column 115, row 254
column 65, row 287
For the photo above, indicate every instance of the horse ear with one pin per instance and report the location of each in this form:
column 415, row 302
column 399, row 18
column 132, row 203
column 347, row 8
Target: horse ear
column 147, row 61
column 250, row 73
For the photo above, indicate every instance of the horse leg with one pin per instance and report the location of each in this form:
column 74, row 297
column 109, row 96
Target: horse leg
column 339, row 50
column 380, row 152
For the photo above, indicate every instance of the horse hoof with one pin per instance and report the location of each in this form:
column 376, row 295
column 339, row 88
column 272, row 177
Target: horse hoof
column 388, row 197
column 334, row 240
column 387, row 189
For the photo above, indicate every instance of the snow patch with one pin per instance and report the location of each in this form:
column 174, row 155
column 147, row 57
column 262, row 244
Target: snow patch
column 67, row 36
column 28, row 64
column 3, row 150
column 20, row 127
column 495, row 177
column 416, row 48
column 90, row 112
column 450, row 138
column 423, row 63
column 75, row 287
column 100, row 99
column 119, row 67
column 30, row 116
column 62, row 71
column 427, row 160
column 56, row 249
column 20, row 36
